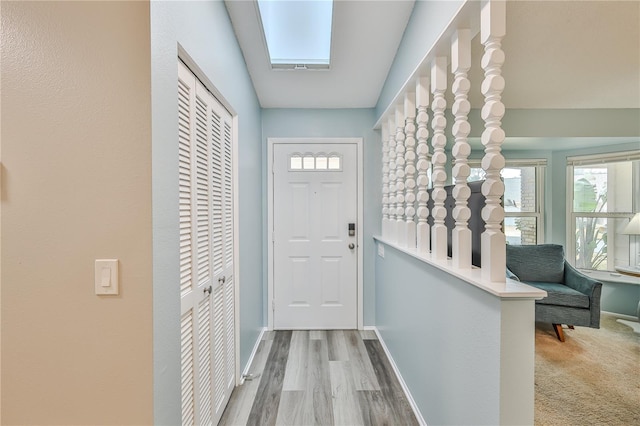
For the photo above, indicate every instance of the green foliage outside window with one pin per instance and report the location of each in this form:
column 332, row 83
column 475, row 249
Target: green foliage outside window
column 591, row 232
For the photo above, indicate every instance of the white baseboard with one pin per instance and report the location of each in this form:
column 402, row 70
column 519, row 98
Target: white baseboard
column 405, row 388
column 622, row 316
column 370, row 328
column 253, row 354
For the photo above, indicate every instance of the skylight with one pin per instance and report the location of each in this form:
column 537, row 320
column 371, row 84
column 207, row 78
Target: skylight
column 297, row 32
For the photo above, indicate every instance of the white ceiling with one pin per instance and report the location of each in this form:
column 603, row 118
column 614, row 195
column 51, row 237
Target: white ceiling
column 560, row 54
column 366, row 35
column 572, row 54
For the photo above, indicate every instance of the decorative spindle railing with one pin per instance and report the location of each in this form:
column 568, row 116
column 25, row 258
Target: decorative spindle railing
column 439, row 159
column 460, row 65
column 410, row 168
column 493, row 25
column 422, row 119
column 400, row 183
column 406, row 155
column 393, row 228
column 385, row 181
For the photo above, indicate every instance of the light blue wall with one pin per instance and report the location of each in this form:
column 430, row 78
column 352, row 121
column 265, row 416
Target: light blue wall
column 621, row 298
column 426, row 23
column 565, row 123
column 444, row 335
column 329, row 123
column 204, row 30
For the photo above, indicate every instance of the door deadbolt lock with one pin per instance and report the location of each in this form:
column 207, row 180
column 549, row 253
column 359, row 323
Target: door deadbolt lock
column 352, row 229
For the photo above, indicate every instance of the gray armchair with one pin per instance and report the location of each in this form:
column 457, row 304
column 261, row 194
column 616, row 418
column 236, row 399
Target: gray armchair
column 572, row 297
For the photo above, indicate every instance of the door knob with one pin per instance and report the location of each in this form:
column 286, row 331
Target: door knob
column 352, row 246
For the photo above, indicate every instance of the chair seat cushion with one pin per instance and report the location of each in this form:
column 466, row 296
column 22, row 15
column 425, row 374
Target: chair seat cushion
column 561, row 295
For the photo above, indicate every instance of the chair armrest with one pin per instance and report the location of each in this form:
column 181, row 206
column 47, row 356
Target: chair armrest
column 512, row 275
column 579, row 281
column 586, row 285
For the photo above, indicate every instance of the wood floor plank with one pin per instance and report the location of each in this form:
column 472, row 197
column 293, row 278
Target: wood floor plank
column 362, row 390
column 242, row 397
column 291, row 409
column 368, row 335
column 364, row 377
column 346, row 406
column 389, row 385
column 375, row 411
column 317, row 335
column 268, row 335
column 265, row 407
column 318, row 392
column 337, row 346
column 295, row 376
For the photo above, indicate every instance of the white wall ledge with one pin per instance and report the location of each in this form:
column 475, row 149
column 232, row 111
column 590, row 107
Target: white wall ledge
column 611, row 277
column 510, row 289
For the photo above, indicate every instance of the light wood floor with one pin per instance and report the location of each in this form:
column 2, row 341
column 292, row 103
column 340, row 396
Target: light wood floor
column 337, row 377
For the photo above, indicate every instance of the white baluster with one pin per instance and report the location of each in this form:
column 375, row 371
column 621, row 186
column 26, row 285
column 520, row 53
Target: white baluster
column 385, row 181
column 422, row 119
column 492, row 29
column 400, row 206
column 439, row 159
column 393, row 234
column 410, row 167
column 460, row 65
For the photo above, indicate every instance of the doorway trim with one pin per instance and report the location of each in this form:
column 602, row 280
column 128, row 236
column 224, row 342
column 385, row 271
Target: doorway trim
column 360, row 206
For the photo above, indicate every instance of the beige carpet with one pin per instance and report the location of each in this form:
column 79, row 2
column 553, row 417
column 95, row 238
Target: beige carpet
column 593, row 378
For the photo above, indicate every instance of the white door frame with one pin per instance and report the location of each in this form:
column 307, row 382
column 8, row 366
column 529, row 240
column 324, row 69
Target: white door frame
column 360, row 205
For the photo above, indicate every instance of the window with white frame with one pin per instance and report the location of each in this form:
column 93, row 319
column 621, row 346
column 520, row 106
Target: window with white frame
column 602, row 197
column 523, row 199
column 315, row 162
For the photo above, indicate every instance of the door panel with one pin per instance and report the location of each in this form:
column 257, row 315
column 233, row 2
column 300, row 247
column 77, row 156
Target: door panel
column 300, row 215
column 206, row 252
column 299, row 287
column 330, row 280
column 332, row 213
column 315, row 271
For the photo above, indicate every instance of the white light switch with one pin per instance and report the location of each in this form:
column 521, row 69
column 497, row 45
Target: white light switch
column 106, row 277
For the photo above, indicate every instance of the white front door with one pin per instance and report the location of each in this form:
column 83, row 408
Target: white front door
column 315, row 257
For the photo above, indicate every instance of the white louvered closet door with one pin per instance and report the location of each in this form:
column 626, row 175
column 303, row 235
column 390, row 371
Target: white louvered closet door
column 206, row 252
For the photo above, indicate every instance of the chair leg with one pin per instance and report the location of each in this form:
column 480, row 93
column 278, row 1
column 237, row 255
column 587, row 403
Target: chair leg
column 558, row 329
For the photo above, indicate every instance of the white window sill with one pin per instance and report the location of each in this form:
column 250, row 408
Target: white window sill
column 609, row 276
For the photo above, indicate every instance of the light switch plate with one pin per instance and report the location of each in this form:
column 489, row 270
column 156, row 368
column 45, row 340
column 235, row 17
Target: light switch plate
column 106, row 277
column 381, row 250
